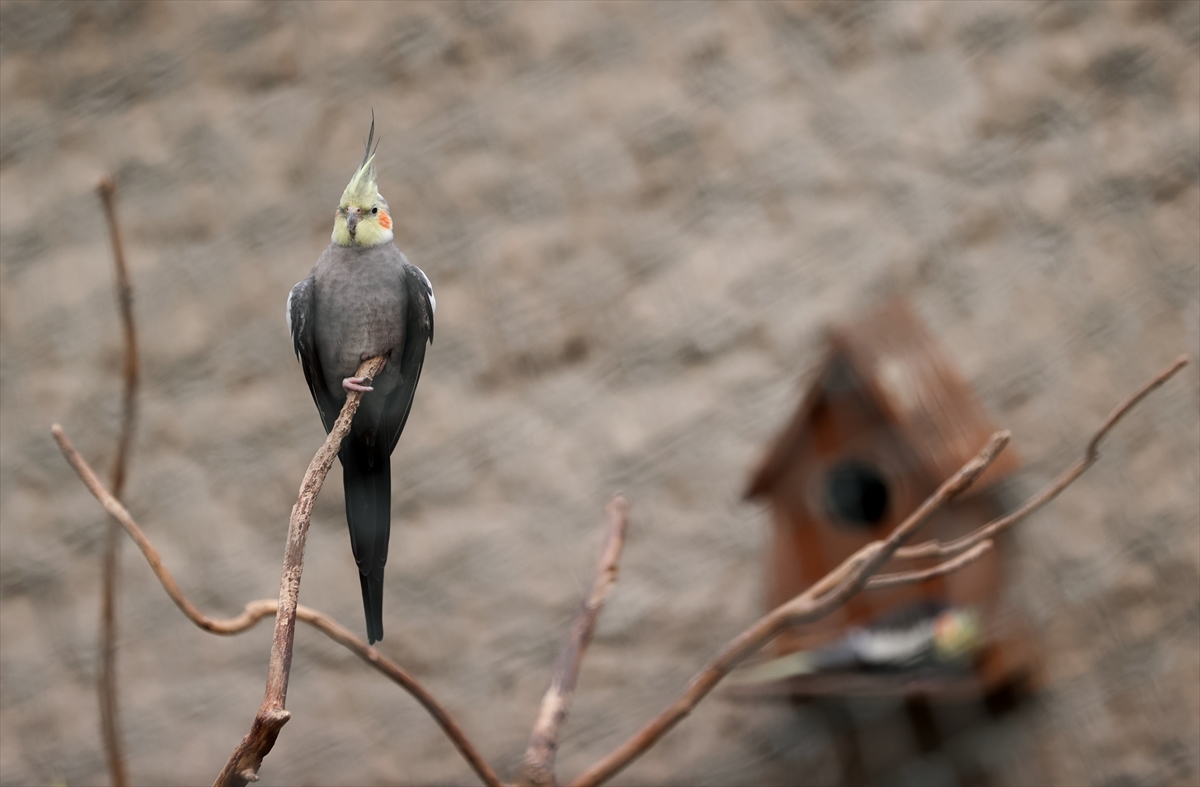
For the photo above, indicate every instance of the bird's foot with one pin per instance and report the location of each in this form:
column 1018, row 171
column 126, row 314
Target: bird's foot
column 360, row 384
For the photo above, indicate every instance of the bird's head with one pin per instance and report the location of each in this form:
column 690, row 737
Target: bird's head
column 957, row 633
column 362, row 216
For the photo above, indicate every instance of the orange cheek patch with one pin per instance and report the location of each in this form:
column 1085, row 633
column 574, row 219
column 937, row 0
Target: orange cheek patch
column 385, row 220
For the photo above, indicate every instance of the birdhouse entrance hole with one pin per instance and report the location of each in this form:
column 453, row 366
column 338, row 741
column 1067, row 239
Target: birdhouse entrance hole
column 856, row 493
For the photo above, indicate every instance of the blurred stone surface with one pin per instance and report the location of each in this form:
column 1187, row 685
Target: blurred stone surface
column 638, row 218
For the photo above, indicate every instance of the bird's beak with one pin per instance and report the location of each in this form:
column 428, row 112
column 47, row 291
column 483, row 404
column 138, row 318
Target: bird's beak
column 353, row 215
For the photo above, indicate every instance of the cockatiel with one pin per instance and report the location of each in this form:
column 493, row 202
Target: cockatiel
column 363, row 299
column 927, row 634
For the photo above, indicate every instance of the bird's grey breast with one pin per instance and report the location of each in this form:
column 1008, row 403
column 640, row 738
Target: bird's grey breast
column 360, row 306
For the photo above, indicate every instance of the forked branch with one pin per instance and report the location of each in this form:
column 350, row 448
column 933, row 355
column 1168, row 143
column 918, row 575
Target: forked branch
column 825, row 596
column 857, row 572
column 1090, row 454
column 895, row 579
column 255, row 611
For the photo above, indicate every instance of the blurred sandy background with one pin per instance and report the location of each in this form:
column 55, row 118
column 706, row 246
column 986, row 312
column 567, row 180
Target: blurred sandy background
column 638, row 219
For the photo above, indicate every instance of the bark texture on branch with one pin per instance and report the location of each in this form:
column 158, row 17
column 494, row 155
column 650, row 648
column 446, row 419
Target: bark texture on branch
column 246, row 759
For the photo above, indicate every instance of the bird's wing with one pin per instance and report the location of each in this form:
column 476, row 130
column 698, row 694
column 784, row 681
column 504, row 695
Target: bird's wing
column 418, row 332
column 301, row 311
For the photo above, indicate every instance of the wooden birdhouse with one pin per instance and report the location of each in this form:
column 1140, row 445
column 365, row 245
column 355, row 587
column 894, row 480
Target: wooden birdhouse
column 885, row 421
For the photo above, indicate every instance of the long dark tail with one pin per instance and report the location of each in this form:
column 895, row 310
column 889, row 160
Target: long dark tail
column 366, row 470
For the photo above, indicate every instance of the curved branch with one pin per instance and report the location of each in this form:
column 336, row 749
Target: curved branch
column 255, row 611
column 1049, row 492
column 122, row 516
column 106, row 685
column 339, row 633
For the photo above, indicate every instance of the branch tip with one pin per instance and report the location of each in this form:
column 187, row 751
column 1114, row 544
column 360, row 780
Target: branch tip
column 537, row 769
column 1091, row 453
column 106, row 683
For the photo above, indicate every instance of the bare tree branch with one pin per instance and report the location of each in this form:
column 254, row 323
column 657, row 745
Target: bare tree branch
column 255, row 611
column 1051, row 491
column 272, row 715
column 130, row 367
column 856, row 572
column 246, row 759
column 825, row 596
column 106, row 685
column 118, row 512
column 538, row 767
column 892, row 580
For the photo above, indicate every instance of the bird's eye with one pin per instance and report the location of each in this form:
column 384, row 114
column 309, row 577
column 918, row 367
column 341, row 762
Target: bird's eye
column 374, row 210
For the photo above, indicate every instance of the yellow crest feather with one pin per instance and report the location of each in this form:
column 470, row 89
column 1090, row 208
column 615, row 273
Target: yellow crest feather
column 362, row 189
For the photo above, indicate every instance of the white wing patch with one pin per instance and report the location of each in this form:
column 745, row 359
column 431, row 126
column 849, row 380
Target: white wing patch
column 428, row 288
column 288, row 312
column 888, row 646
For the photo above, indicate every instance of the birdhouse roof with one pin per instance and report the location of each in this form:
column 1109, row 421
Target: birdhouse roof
column 908, row 374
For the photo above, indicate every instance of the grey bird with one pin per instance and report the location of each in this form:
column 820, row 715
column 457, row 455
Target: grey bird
column 364, row 299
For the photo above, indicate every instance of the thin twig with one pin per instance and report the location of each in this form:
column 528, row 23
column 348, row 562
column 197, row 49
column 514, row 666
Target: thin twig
column 122, row 516
column 130, row 367
column 826, row 595
column 1051, row 491
column 538, row 767
column 106, row 685
column 897, row 578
